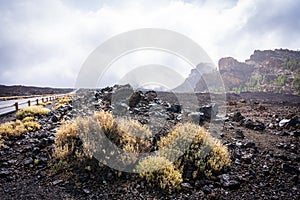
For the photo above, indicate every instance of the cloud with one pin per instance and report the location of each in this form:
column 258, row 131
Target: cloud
column 46, row 42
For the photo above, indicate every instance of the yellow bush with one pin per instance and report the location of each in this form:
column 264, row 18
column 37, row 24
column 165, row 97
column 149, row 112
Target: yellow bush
column 17, row 128
column 93, row 131
column 204, row 154
column 32, row 126
column 32, row 111
column 62, row 101
column 158, row 171
column 45, row 103
column 134, row 128
column 28, row 119
column 65, row 139
column 136, row 138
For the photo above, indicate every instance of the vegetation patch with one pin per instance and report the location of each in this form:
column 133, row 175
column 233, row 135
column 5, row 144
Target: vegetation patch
column 159, row 172
column 17, row 128
column 45, row 103
column 78, row 140
column 204, row 154
column 62, row 101
column 32, row 111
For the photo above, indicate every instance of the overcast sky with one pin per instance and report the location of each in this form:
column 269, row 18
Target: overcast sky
column 45, row 42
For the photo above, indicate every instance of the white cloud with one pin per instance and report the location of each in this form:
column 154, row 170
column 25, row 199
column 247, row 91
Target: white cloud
column 46, row 42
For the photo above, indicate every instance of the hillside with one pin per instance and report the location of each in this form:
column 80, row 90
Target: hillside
column 266, row 71
column 20, row 90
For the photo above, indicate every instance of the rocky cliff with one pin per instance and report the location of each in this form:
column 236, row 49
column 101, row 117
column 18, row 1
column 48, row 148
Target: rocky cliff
column 268, row 71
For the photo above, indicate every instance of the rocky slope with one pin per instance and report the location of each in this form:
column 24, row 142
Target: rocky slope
column 268, row 71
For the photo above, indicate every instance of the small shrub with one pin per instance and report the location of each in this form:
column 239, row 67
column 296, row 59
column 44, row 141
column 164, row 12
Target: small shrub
column 136, row 138
column 28, row 119
column 32, row 126
column 158, row 171
column 45, row 103
column 62, row 101
column 32, row 111
column 65, row 139
column 83, row 137
column 134, row 128
column 14, row 129
column 204, row 154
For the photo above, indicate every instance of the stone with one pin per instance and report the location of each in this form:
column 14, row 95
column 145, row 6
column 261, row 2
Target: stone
column 254, row 125
column 196, row 117
column 283, row 122
column 250, row 145
column 134, row 99
column 209, row 111
column 236, row 117
column 151, row 95
column 4, row 173
column 120, row 109
column 56, row 182
column 290, row 169
column 43, row 143
column 35, row 150
column 55, row 118
column 228, row 183
column 289, row 122
column 176, row 108
column 207, row 190
column 247, row 158
column 239, row 134
column 186, row 186
column 28, row 161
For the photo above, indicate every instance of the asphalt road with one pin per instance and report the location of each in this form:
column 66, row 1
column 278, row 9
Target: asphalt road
column 9, row 106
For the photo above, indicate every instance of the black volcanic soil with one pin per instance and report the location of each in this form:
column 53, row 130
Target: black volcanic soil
column 265, row 163
column 19, row 90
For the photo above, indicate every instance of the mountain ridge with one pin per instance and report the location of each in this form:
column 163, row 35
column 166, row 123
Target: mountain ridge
column 265, row 71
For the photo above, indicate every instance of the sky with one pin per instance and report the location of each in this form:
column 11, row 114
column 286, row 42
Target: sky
column 45, row 43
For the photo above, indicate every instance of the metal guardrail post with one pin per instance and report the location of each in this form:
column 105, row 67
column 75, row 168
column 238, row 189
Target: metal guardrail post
column 37, row 101
column 28, row 102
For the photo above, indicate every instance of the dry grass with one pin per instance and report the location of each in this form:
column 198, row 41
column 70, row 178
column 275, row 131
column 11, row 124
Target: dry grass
column 45, row 103
column 32, row 126
column 186, row 147
column 17, row 128
column 134, row 128
column 32, row 111
column 204, row 154
column 65, row 139
column 93, row 132
column 28, row 119
column 158, row 171
column 62, row 101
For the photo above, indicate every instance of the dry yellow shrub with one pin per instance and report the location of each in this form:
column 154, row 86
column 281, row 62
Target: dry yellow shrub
column 65, row 139
column 32, row 111
column 17, row 128
column 32, row 126
column 158, row 171
column 28, row 119
column 204, row 153
column 62, row 101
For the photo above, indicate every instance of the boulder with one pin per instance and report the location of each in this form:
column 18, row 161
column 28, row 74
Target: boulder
column 196, row 117
column 209, row 111
column 236, row 116
column 254, row 125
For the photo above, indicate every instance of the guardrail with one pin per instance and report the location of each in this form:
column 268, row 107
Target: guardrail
column 15, row 105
